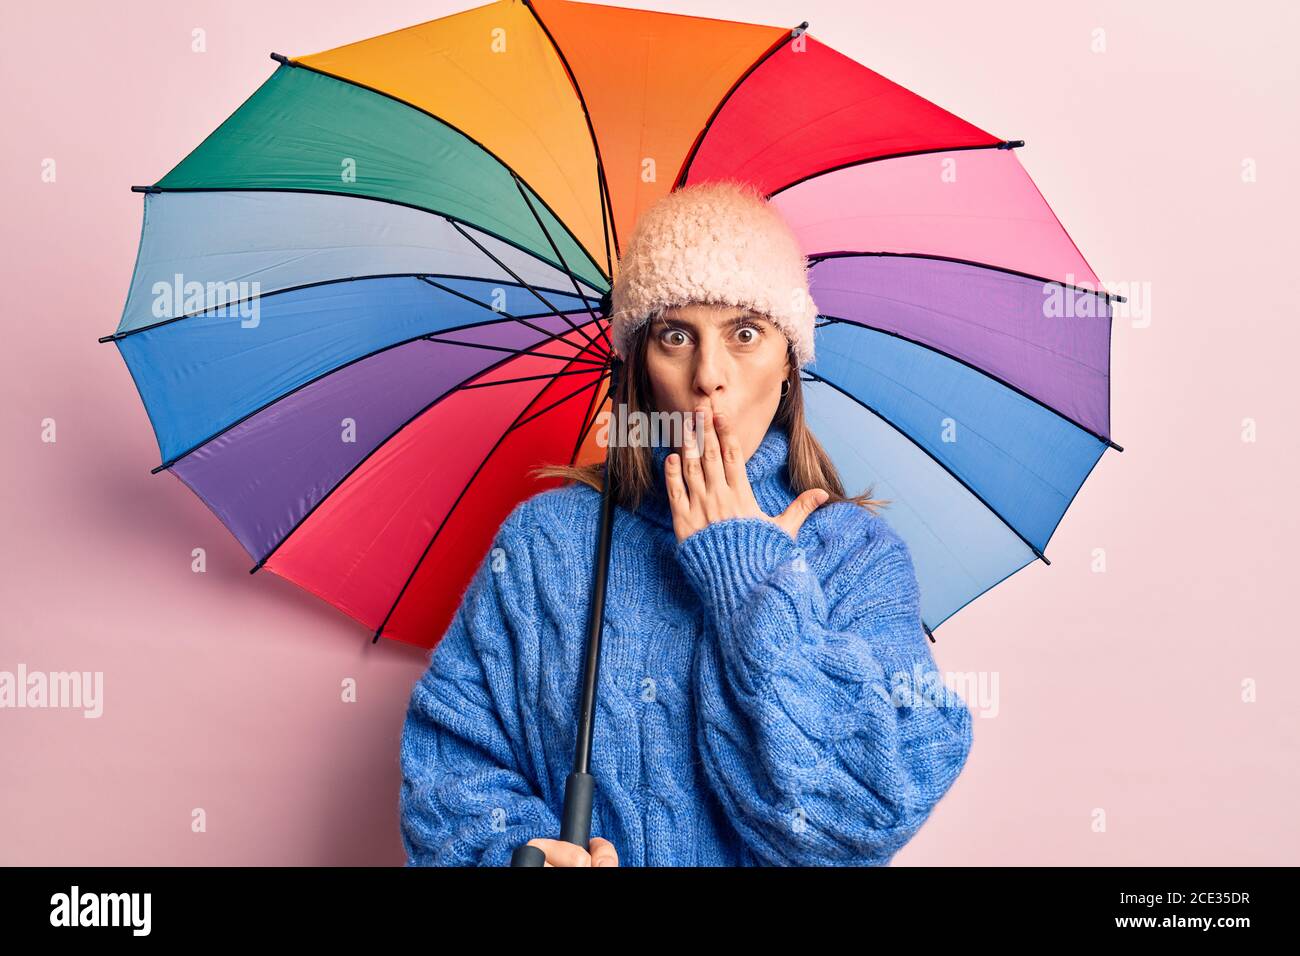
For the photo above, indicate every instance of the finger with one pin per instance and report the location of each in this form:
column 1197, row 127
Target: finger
column 602, row 852
column 793, row 517
column 715, row 478
column 679, row 504
column 562, row 852
column 733, row 462
column 691, row 463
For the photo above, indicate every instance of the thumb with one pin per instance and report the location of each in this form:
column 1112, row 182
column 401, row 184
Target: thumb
column 793, row 517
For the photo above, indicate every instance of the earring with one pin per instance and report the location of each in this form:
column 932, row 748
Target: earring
column 785, row 387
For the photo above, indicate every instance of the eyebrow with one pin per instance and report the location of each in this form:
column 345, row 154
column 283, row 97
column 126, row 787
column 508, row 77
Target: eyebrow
column 743, row 318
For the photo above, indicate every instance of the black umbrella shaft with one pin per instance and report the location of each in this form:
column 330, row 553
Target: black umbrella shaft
column 595, row 624
column 579, row 788
column 580, row 785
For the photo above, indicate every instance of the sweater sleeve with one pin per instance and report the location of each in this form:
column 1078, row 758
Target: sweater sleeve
column 824, row 727
column 468, row 794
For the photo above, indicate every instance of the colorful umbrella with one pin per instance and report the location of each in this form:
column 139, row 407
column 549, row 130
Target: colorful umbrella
column 372, row 299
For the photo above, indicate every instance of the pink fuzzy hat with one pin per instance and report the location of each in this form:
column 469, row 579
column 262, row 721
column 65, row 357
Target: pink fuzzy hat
column 719, row 242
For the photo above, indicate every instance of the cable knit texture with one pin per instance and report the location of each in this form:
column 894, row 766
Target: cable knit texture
column 762, row 701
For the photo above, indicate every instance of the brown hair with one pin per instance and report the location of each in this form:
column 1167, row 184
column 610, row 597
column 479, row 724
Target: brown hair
column 808, row 464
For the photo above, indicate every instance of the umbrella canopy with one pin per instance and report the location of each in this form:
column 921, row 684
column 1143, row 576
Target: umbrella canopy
column 371, row 300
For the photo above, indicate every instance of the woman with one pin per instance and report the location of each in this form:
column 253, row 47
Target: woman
column 762, row 642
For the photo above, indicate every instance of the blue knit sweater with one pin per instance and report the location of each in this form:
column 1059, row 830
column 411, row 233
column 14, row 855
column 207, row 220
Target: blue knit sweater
column 761, row 701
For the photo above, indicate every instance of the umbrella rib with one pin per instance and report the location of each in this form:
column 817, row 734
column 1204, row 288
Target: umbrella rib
column 836, row 320
column 559, row 255
column 1026, row 564
column 338, row 192
column 704, row 130
column 517, row 424
column 287, row 62
column 515, row 318
column 360, row 358
column 608, row 226
column 544, row 300
column 504, row 348
column 442, row 524
column 958, row 478
column 1002, row 144
column 849, row 254
column 118, row 336
column 378, row 445
column 527, row 378
column 590, row 418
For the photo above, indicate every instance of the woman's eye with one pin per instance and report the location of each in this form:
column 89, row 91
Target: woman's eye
column 749, row 335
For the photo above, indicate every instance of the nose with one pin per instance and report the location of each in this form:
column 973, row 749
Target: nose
column 710, row 373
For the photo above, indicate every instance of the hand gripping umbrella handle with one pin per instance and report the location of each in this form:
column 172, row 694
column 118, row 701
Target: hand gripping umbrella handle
column 580, row 786
column 575, row 828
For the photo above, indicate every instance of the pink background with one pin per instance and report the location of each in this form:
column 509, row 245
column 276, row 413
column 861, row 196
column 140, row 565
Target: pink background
column 1117, row 692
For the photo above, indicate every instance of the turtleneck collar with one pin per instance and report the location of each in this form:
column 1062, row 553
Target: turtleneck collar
column 766, row 469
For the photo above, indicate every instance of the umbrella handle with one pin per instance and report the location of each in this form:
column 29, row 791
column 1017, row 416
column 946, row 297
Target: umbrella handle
column 526, row 855
column 579, row 789
column 575, row 828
